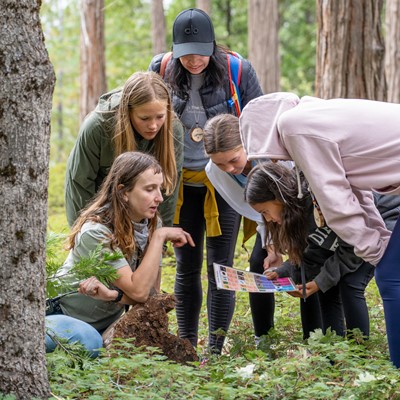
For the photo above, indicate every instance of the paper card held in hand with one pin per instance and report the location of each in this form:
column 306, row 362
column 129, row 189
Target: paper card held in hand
column 244, row 281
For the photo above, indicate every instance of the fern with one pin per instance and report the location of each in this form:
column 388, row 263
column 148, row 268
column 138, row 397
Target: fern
column 97, row 264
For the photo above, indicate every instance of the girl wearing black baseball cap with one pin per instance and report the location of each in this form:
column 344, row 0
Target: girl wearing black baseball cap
column 198, row 73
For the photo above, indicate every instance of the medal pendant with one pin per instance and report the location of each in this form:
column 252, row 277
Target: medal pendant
column 196, row 134
column 318, row 218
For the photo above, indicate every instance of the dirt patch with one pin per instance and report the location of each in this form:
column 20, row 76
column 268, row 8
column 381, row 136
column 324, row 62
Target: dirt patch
column 148, row 324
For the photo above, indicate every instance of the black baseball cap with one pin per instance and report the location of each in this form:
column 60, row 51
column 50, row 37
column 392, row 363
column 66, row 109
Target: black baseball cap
column 192, row 33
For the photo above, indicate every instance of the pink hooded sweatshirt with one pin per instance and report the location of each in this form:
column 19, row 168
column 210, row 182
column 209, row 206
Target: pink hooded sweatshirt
column 345, row 148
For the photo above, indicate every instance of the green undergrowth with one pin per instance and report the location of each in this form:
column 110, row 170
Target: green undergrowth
column 282, row 367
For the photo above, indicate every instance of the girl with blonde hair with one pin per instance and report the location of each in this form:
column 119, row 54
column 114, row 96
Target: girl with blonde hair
column 138, row 117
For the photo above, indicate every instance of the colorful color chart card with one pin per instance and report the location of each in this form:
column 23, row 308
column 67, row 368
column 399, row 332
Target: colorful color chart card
column 244, row 281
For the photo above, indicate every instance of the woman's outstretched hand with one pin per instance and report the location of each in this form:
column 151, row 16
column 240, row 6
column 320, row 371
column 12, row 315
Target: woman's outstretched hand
column 177, row 236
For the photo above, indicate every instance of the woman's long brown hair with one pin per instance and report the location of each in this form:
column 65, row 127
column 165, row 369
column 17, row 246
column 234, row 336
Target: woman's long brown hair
column 108, row 206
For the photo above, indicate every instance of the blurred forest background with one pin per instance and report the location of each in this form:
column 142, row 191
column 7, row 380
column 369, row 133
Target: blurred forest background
column 128, row 48
column 323, row 48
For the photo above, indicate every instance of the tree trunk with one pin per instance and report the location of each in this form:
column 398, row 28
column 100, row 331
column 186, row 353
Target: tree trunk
column 264, row 42
column 204, row 5
column 392, row 55
column 350, row 50
column 27, row 79
column 93, row 70
column 158, row 26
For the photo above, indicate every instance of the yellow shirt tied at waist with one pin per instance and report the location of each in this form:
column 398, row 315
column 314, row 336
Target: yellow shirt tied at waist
column 210, row 202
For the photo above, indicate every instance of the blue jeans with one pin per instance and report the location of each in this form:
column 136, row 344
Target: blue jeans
column 189, row 262
column 387, row 276
column 74, row 330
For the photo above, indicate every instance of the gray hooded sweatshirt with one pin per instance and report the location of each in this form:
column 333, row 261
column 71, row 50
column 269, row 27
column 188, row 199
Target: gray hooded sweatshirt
column 345, row 147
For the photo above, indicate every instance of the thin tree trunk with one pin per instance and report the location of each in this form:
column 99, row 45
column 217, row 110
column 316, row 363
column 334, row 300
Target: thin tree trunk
column 350, row 50
column 204, row 5
column 27, row 83
column 264, row 42
column 93, row 70
column 158, row 26
column 60, row 120
column 392, row 55
column 60, row 75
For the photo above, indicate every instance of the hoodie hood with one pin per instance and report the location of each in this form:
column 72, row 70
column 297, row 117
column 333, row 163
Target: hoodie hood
column 258, row 125
column 109, row 101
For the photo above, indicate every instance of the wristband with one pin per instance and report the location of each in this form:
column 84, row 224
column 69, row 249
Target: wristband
column 119, row 295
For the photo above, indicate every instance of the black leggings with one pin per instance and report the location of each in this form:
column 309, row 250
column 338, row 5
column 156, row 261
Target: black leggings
column 262, row 305
column 341, row 307
column 220, row 249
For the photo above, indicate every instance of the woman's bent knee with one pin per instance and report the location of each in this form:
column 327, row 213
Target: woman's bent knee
column 74, row 331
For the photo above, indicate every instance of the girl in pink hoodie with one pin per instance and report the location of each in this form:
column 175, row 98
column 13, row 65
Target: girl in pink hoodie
column 346, row 148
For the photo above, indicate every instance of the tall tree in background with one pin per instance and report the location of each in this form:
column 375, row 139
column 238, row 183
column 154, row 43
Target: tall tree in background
column 27, row 79
column 392, row 54
column 350, row 50
column 93, row 67
column 204, row 5
column 60, row 73
column 263, row 25
column 158, row 26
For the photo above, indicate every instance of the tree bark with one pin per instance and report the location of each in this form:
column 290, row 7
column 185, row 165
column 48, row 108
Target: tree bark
column 264, row 42
column 27, row 79
column 158, row 26
column 392, row 55
column 93, row 70
column 350, row 50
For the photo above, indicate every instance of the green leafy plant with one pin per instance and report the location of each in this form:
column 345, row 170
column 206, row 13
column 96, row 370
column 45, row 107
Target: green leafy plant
column 97, row 264
column 54, row 262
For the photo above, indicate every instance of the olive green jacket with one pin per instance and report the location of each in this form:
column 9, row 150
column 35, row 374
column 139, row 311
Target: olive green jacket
column 93, row 154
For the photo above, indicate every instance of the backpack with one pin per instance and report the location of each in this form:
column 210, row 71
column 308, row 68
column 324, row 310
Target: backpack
column 234, row 61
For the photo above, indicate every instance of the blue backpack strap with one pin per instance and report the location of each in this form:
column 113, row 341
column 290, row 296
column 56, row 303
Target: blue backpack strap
column 234, row 61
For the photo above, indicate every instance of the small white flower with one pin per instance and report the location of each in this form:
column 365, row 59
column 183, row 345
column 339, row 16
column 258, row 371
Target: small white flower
column 366, row 377
column 264, row 377
column 246, row 372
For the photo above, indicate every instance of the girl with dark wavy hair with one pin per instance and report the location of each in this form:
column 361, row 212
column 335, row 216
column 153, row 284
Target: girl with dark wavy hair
column 329, row 266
